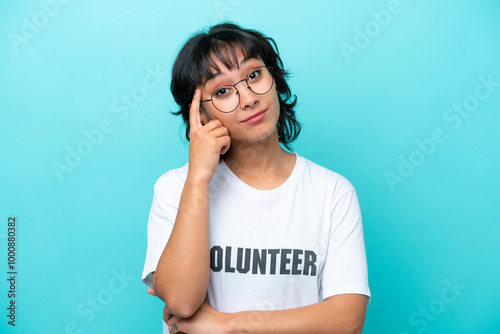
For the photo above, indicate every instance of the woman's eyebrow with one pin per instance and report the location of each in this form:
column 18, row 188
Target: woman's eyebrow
column 242, row 62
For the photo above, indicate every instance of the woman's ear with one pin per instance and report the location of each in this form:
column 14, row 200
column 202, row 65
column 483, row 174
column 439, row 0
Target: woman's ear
column 204, row 119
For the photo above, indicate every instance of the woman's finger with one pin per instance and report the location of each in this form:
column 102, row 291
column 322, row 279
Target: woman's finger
column 173, row 324
column 226, row 146
column 194, row 112
column 166, row 314
column 212, row 124
column 219, row 132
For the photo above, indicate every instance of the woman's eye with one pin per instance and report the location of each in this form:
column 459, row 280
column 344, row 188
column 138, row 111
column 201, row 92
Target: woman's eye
column 254, row 74
column 221, row 91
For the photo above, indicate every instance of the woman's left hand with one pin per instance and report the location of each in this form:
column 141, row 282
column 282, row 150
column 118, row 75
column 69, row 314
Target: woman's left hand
column 205, row 320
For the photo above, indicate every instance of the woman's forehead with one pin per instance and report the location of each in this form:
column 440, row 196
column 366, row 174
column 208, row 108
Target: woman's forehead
column 227, row 56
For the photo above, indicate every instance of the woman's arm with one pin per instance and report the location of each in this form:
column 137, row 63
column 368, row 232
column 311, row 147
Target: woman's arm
column 336, row 314
column 182, row 273
column 339, row 314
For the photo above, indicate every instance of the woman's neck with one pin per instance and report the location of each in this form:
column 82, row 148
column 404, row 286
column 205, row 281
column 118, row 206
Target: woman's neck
column 263, row 165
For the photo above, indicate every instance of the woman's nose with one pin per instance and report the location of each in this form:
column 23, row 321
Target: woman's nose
column 248, row 98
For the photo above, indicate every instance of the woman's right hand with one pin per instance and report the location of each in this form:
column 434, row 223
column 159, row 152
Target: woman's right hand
column 207, row 142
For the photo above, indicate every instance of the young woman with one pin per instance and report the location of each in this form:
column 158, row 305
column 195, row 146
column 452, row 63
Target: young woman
column 249, row 237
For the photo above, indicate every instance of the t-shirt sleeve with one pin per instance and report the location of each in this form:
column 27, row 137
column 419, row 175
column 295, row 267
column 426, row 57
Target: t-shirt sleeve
column 345, row 270
column 160, row 223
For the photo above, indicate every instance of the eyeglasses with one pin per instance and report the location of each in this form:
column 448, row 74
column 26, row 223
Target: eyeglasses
column 226, row 98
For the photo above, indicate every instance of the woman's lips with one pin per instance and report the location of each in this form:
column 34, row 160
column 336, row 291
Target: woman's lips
column 258, row 116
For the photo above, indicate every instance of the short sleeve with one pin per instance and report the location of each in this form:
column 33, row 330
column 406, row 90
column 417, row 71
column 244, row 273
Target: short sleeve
column 161, row 221
column 345, row 270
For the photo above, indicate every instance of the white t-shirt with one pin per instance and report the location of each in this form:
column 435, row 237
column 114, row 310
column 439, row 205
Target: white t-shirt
column 271, row 249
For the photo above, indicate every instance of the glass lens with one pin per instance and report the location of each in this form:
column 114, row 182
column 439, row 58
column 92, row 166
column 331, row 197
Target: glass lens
column 225, row 98
column 260, row 80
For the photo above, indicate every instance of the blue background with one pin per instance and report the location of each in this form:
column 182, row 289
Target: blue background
column 362, row 113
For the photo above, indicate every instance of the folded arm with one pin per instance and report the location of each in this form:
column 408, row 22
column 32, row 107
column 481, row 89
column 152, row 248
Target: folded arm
column 339, row 314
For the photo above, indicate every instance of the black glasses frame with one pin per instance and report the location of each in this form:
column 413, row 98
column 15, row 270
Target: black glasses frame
column 237, row 92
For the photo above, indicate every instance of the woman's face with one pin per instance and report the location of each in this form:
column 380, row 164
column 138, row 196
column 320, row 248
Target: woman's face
column 256, row 116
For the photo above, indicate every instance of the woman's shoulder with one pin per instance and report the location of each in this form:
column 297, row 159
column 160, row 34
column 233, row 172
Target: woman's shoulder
column 174, row 178
column 317, row 174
